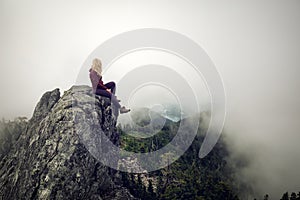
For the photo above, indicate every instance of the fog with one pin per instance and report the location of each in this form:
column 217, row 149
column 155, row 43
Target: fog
column 254, row 45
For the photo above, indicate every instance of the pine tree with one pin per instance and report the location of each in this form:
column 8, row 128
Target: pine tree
column 298, row 196
column 285, row 196
column 150, row 191
column 266, row 197
column 140, row 187
column 160, row 185
column 293, row 196
column 125, row 179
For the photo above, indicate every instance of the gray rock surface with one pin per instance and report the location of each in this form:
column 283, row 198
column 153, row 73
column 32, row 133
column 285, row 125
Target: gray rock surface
column 49, row 161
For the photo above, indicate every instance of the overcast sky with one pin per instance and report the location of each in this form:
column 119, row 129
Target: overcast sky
column 255, row 46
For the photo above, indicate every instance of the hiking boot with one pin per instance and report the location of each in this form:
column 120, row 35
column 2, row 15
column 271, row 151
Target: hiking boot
column 124, row 110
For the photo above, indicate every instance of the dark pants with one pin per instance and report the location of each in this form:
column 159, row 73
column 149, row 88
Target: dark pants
column 112, row 87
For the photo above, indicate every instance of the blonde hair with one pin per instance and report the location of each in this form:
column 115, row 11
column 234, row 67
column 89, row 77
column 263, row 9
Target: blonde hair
column 97, row 66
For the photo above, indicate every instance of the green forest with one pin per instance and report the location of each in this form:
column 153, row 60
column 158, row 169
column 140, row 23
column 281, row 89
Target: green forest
column 187, row 178
column 211, row 178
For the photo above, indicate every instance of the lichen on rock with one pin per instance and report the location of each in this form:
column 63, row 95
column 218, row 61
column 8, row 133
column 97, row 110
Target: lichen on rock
column 50, row 161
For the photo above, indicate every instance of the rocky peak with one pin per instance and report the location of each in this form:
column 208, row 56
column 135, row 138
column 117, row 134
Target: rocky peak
column 46, row 103
column 49, row 161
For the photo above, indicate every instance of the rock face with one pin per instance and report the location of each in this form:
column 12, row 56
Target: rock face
column 49, row 161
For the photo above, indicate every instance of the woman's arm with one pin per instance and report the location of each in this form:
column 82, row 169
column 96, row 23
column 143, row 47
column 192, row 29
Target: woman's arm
column 101, row 84
column 96, row 80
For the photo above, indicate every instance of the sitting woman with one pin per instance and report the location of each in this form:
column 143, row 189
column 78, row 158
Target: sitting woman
column 106, row 90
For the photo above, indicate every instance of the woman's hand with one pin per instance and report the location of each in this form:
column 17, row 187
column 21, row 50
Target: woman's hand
column 108, row 90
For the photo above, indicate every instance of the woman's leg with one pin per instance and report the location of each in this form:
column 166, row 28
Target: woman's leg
column 115, row 101
column 112, row 97
column 112, row 86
